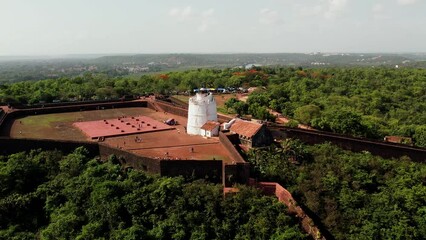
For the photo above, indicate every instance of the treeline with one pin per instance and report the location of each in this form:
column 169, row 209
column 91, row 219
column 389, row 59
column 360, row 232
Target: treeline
column 358, row 101
column 101, row 86
column 356, row 195
column 45, row 195
column 366, row 102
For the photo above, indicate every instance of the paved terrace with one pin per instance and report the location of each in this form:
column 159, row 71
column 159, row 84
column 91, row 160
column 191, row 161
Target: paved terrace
column 172, row 143
column 120, row 126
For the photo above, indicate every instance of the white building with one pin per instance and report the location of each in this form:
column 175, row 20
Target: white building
column 210, row 129
column 202, row 108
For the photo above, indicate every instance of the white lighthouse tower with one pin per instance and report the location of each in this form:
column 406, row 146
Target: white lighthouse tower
column 202, row 108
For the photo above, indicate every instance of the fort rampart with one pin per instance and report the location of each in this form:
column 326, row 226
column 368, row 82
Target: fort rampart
column 285, row 197
column 227, row 143
column 168, row 107
column 386, row 150
column 128, row 159
column 178, row 102
column 197, row 169
column 15, row 145
column 383, row 149
column 2, row 115
column 205, row 169
column 63, row 104
column 239, row 171
column 210, row 170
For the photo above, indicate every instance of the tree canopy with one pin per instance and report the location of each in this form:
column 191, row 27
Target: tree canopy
column 45, row 195
column 365, row 102
column 356, row 195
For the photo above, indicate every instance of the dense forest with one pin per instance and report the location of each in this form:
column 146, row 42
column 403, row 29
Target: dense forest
column 355, row 195
column 46, row 195
column 366, row 102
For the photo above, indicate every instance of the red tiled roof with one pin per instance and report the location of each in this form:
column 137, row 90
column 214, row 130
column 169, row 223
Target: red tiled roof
column 397, row 139
column 210, row 125
column 245, row 128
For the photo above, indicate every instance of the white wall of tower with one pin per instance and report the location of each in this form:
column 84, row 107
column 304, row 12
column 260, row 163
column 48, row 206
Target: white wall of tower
column 202, row 108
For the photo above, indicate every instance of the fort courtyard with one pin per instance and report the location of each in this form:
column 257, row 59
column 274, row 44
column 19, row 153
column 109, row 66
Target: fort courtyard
column 169, row 142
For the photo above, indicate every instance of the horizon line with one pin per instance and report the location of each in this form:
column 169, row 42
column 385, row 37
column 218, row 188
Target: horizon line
column 195, row 53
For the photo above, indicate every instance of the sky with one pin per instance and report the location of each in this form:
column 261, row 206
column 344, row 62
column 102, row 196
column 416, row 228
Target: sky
column 61, row 27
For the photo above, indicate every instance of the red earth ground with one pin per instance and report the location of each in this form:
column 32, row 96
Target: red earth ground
column 123, row 125
column 172, row 144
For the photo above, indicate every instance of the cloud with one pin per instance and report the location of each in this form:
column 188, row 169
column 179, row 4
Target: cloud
column 207, row 20
column 329, row 9
column 208, row 13
column 334, row 8
column 181, row 14
column 378, row 11
column 203, row 27
column 187, row 14
column 269, row 17
column 307, row 11
column 377, row 8
column 406, row 2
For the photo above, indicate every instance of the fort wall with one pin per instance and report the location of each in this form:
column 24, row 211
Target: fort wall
column 75, row 107
column 63, row 104
column 15, row 145
column 225, row 140
column 128, row 159
column 168, row 107
column 386, row 150
column 2, row 115
column 178, row 102
column 235, row 173
column 210, row 170
column 204, row 169
column 285, row 197
column 239, row 171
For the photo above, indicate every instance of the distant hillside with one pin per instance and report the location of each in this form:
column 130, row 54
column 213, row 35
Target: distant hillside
column 419, row 64
column 21, row 69
column 234, row 60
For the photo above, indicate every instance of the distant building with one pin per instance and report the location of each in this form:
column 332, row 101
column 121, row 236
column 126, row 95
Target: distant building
column 252, row 65
column 210, row 129
column 251, row 134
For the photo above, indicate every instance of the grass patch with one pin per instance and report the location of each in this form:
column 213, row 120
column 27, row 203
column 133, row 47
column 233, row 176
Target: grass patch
column 183, row 98
column 59, row 125
column 224, row 110
column 46, row 120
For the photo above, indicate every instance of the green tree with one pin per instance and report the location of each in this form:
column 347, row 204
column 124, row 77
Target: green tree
column 81, row 198
column 420, row 136
column 306, row 113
